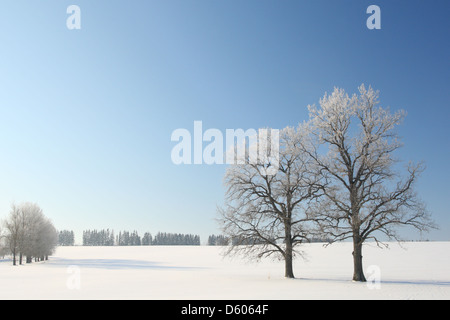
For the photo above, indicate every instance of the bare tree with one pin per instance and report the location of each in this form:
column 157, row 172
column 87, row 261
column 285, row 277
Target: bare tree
column 13, row 231
column 264, row 215
column 46, row 240
column 366, row 195
column 31, row 216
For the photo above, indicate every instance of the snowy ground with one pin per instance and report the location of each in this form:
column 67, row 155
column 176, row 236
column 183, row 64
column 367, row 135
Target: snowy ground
column 417, row 271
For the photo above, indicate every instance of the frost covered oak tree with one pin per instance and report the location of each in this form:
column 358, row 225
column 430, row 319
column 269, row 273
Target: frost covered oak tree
column 367, row 194
column 264, row 215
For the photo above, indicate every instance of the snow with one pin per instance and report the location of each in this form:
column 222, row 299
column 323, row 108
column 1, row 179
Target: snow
column 417, row 270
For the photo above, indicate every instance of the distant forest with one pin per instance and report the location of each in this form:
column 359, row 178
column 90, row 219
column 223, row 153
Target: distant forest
column 107, row 237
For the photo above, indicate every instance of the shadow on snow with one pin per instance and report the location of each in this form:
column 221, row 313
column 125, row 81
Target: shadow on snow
column 406, row 282
column 113, row 264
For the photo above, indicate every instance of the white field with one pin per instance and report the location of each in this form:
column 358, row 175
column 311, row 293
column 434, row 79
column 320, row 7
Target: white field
column 419, row 270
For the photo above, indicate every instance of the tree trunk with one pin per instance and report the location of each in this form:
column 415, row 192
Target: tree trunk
column 358, row 272
column 14, row 257
column 29, row 259
column 288, row 269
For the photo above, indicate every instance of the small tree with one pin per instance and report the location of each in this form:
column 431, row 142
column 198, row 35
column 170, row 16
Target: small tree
column 366, row 195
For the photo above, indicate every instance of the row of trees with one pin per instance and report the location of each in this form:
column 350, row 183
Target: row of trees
column 125, row 238
column 218, row 240
column 28, row 233
column 98, row 237
column 168, row 239
column 338, row 179
column 105, row 237
column 221, row 240
column 66, row 238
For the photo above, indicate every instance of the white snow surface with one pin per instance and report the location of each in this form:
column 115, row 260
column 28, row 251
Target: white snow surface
column 415, row 270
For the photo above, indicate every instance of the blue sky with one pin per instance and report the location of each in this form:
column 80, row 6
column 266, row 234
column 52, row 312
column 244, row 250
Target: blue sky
column 86, row 115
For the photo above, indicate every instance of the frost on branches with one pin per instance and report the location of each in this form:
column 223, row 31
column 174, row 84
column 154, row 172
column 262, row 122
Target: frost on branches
column 338, row 179
column 265, row 215
column 365, row 194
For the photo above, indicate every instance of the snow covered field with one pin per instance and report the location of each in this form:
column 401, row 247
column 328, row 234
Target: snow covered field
column 420, row 270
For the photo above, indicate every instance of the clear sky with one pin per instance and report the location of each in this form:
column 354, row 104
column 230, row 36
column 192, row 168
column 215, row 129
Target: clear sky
column 86, row 115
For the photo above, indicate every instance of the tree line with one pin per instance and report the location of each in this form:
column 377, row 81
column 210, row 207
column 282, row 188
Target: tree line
column 222, row 240
column 66, row 238
column 218, row 240
column 167, row 239
column 107, row 237
column 28, row 233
